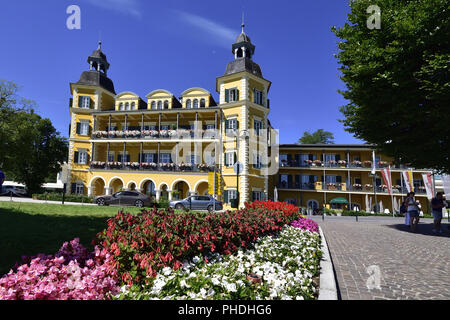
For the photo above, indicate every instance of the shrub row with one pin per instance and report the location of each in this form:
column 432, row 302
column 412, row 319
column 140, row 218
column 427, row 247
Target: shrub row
column 58, row 197
column 144, row 244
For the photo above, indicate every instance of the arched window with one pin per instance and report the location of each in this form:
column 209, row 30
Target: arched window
column 188, row 104
column 166, row 104
column 133, row 105
column 159, row 105
column 153, row 105
column 195, row 104
column 121, row 106
column 202, row 103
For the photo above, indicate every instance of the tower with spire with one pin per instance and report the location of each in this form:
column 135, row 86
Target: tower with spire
column 243, row 99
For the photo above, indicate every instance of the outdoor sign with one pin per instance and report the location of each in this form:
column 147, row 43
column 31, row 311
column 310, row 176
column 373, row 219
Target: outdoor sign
column 215, row 185
column 429, row 186
column 386, row 174
column 407, row 176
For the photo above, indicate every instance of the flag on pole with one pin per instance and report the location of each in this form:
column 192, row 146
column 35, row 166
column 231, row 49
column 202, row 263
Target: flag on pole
column 386, row 174
column 374, row 170
column 407, row 177
column 428, row 181
column 446, row 185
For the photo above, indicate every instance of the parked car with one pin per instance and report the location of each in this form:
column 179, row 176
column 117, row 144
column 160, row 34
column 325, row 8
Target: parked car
column 126, row 198
column 196, row 203
column 14, row 191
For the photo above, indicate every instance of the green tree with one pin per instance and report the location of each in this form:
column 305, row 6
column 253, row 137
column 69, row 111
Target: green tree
column 30, row 147
column 319, row 137
column 397, row 79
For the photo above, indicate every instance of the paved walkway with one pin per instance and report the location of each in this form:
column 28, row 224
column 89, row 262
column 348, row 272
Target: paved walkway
column 29, row 200
column 409, row 265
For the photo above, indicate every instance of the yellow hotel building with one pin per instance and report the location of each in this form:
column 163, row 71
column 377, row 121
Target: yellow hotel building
column 167, row 146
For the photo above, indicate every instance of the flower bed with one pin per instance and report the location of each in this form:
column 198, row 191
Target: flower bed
column 284, row 266
column 144, row 244
column 147, row 254
column 72, row 274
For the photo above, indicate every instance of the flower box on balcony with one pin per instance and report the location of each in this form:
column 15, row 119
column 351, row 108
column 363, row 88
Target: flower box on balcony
column 382, row 164
column 317, row 163
column 342, row 163
column 318, row 185
column 368, row 186
column 149, row 166
column 98, row 164
column 357, row 163
column 357, row 186
column 367, row 163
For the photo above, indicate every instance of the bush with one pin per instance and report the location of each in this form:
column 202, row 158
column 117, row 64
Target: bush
column 67, row 198
column 144, row 244
column 163, row 204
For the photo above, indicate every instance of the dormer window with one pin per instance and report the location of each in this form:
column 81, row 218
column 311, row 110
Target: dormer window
column 133, row 105
column 159, row 105
column 127, row 106
column 189, row 104
column 153, row 105
column 166, row 105
column 202, row 103
column 195, row 104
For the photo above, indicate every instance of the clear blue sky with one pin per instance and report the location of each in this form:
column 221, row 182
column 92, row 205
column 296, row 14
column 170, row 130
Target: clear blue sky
column 176, row 45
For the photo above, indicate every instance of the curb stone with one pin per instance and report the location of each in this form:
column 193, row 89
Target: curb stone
column 327, row 288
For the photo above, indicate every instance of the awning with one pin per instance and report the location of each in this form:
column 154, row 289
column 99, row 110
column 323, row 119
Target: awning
column 339, row 201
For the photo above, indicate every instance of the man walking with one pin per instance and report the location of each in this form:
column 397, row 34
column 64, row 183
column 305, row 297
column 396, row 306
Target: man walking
column 437, row 204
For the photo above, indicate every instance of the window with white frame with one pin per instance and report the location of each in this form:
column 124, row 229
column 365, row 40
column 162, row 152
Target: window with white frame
column 82, row 157
column 111, row 156
column 258, row 125
column 79, row 188
column 149, row 158
column 256, row 161
column 84, row 128
column 230, row 159
column 165, row 158
column 232, row 194
column 258, row 97
column 85, row 102
column 232, row 124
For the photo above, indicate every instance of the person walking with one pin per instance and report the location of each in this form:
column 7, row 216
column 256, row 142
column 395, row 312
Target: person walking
column 413, row 211
column 437, row 204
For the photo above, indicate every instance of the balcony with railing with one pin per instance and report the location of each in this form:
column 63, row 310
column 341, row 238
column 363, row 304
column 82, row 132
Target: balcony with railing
column 155, row 134
column 341, row 164
column 152, row 167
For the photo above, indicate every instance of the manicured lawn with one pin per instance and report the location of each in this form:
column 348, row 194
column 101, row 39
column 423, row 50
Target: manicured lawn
column 30, row 228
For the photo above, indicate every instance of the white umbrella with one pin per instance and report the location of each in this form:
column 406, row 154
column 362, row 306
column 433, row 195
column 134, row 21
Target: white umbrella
column 367, row 203
column 381, row 207
column 275, row 194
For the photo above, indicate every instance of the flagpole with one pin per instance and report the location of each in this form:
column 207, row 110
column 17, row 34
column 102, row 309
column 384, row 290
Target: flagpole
column 391, row 190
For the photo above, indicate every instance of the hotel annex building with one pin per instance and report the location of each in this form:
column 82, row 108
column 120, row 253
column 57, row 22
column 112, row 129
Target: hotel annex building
column 169, row 146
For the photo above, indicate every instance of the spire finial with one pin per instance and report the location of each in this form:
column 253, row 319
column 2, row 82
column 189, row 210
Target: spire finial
column 99, row 39
column 243, row 23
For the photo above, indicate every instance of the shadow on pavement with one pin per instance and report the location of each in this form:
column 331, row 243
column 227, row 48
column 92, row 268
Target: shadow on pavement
column 424, row 229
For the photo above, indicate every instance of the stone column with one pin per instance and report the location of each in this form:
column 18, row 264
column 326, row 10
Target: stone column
column 90, row 191
column 170, row 194
column 108, row 191
column 158, row 195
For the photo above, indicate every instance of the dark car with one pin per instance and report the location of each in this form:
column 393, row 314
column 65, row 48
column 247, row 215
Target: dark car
column 125, row 198
column 196, row 203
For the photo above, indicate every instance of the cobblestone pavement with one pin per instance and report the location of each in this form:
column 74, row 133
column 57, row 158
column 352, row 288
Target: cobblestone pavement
column 410, row 265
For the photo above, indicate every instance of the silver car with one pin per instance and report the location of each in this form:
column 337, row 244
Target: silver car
column 13, row 191
column 197, row 203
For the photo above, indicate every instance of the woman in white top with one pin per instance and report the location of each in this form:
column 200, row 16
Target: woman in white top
column 413, row 211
